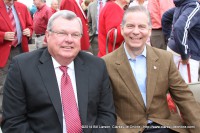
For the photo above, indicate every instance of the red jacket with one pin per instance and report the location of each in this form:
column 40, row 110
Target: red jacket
column 6, row 26
column 74, row 7
column 110, row 17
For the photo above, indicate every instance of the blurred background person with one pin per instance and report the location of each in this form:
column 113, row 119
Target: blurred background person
column 166, row 22
column 110, row 18
column 92, row 24
column 40, row 21
column 184, row 41
column 156, row 9
column 15, row 30
column 54, row 6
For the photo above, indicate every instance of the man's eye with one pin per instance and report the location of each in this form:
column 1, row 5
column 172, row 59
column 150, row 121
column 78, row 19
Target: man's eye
column 142, row 26
column 75, row 35
column 62, row 33
column 129, row 26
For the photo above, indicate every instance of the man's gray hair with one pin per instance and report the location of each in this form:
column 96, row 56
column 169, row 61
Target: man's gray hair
column 136, row 9
column 66, row 14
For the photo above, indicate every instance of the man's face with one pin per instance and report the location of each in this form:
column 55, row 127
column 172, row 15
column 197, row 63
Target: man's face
column 37, row 3
column 65, row 46
column 8, row 2
column 54, row 5
column 136, row 30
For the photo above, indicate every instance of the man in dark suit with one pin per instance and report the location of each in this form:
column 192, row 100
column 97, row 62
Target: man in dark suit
column 141, row 77
column 21, row 30
column 33, row 92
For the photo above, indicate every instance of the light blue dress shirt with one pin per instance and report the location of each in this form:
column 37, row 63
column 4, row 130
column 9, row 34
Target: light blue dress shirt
column 18, row 26
column 138, row 66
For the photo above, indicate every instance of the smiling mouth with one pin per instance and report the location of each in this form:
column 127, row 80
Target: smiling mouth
column 67, row 47
column 134, row 38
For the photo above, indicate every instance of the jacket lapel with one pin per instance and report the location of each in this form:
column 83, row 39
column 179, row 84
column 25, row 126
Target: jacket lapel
column 82, row 82
column 18, row 11
column 4, row 14
column 125, row 72
column 49, row 78
column 152, row 74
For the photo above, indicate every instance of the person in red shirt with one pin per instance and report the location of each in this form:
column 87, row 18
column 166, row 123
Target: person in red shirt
column 156, row 9
column 75, row 7
column 23, row 32
column 40, row 20
column 108, row 20
column 54, row 6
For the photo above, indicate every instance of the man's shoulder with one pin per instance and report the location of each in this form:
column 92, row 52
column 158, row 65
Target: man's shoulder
column 20, row 4
column 36, row 54
column 111, row 55
column 88, row 57
column 160, row 54
column 116, row 55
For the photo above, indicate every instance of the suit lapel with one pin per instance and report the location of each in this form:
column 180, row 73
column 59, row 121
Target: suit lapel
column 152, row 74
column 79, row 6
column 4, row 14
column 125, row 72
column 82, row 82
column 49, row 78
column 18, row 11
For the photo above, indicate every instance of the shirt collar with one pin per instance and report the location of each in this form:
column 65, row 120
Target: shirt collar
column 9, row 6
column 57, row 65
column 144, row 53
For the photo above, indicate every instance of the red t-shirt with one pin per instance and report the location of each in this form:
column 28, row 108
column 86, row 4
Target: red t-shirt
column 41, row 18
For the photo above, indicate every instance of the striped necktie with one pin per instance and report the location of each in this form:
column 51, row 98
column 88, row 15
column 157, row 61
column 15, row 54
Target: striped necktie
column 70, row 108
column 11, row 16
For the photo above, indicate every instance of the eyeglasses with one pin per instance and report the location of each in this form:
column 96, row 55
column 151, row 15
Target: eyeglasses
column 63, row 35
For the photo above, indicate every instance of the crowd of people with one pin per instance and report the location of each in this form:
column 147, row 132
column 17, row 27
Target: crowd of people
column 99, row 66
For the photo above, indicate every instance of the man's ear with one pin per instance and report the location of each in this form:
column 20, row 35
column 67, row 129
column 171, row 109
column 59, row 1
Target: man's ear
column 121, row 28
column 47, row 33
column 150, row 30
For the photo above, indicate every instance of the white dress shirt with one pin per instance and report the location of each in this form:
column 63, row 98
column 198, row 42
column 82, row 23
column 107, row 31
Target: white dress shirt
column 71, row 73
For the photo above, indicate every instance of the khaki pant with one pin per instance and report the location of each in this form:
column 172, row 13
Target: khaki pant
column 39, row 42
column 157, row 39
column 183, row 69
column 94, row 44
